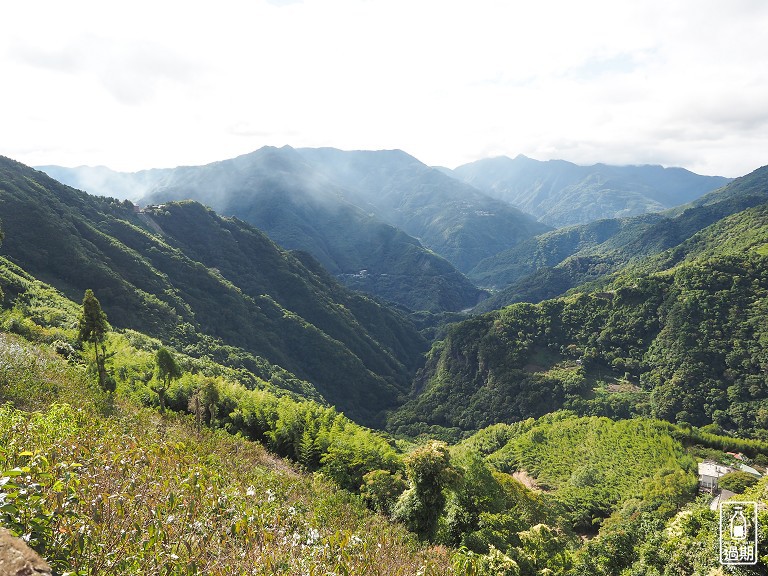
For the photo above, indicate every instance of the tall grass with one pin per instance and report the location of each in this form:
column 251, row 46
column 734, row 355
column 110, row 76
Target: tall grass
column 137, row 493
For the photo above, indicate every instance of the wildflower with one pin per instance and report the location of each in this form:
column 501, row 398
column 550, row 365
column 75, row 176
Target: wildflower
column 312, row 536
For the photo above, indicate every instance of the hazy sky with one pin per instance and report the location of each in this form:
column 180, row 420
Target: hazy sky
column 134, row 85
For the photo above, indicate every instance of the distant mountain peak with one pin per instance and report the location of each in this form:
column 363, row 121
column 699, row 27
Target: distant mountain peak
column 561, row 193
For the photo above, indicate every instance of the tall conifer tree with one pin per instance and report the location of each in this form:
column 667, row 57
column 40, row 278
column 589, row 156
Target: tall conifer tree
column 93, row 328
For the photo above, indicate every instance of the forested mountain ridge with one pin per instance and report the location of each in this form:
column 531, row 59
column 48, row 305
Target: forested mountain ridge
column 209, row 285
column 278, row 193
column 550, row 264
column 358, row 213
column 680, row 336
column 561, row 193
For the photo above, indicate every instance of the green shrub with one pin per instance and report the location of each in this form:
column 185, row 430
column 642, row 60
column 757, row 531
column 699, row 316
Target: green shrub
column 737, row 481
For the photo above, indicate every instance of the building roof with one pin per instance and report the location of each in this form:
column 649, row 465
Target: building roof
column 750, row 470
column 709, row 468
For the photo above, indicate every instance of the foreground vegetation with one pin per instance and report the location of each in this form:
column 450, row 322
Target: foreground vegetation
column 108, row 487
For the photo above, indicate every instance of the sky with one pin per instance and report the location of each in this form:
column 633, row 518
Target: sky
column 135, row 85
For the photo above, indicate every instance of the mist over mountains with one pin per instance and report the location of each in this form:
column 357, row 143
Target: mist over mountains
column 387, row 224
column 302, row 209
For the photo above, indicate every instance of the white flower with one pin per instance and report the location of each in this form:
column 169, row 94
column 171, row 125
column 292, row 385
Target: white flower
column 312, row 536
column 251, row 492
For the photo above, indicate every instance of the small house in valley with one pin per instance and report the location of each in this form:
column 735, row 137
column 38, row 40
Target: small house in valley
column 709, row 473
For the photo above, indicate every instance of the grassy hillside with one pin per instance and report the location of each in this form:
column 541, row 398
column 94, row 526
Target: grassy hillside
column 210, row 286
column 73, row 493
column 108, row 488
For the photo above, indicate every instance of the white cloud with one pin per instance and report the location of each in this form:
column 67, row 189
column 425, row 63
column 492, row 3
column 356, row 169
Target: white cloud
column 167, row 83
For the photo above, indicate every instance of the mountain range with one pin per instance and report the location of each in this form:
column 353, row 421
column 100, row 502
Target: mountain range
column 581, row 415
column 561, row 193
column 360, row 223
column 552, row 263
column 385, row 223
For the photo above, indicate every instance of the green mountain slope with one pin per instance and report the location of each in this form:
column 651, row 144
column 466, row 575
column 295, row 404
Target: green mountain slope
column 550, row 264
column 547, row 250
column 300, row 208
column 209, row 286
column 743, row 232
column 560, row 193
column 681, row 337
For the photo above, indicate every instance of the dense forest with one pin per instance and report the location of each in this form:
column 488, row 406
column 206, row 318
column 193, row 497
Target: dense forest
column 512, row 499
column 680, row 336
